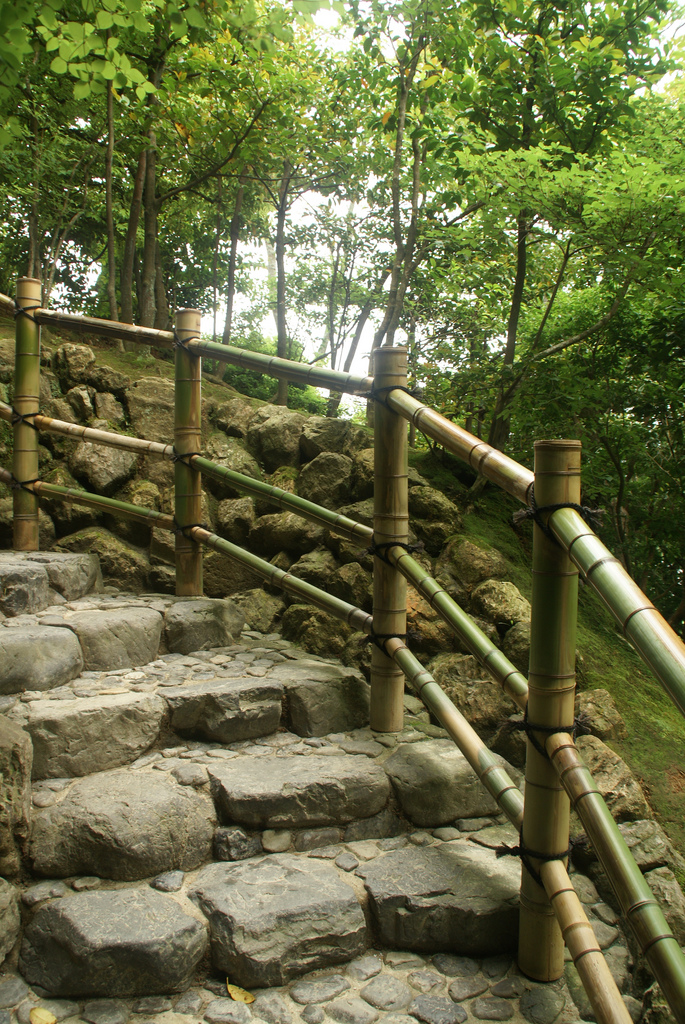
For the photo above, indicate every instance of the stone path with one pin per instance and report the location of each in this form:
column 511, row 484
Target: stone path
column 224, row 813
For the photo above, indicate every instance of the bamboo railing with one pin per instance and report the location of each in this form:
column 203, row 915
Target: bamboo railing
column 551, row 911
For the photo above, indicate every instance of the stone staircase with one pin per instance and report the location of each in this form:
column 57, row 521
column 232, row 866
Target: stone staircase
column 208, row 804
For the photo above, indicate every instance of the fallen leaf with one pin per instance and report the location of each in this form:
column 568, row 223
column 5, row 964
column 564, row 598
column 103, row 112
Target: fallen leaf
column 40, row 1016
column 239, row 994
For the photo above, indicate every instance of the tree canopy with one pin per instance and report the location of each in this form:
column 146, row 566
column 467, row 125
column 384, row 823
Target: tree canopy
column 495, row 183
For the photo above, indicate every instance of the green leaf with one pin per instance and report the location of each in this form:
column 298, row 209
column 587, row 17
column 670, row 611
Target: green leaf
column 194, row 18
column 103, row 20
column 58, row 65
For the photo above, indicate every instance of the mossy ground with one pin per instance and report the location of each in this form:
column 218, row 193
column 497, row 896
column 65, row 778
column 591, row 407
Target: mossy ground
column 655, row 748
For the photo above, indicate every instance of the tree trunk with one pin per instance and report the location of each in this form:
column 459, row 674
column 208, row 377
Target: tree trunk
column 147, row 303
column 161, row 301
column 127, row 264
column 236, row 224
column 283, row 342
column 111, row 261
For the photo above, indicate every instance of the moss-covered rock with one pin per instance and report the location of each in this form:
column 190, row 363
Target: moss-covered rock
column 231, row 453
column 123, row 565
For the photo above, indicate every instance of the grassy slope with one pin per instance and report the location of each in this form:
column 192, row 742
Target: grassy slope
column 655, row 748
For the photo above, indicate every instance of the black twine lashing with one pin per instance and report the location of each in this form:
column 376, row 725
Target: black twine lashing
column 579, row 727
column 23, row 417
column 184, row 457
column 380, row 639
column 377, row 394
column 526, row 854
column 379, row 549
column 178, row 529
column 25, row 311
column 182, row 342
column 22, row 485
column 592, row 516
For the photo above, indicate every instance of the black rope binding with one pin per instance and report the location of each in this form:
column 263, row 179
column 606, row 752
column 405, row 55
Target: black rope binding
column 176, row 457
column 376, row 394
column 579, row 727
column 23, row 417
column 592, row 516
column 22, row 485
column 525, row 854
column 380, row 639
column 181, row 343
column 178, row 529
column 25, row 311
column 379, row 549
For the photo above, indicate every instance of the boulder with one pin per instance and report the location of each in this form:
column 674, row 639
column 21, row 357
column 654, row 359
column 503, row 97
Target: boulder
column 664, row 885
column 614, row 780
column 415, row 903
column 234, row 519
column 325, row 480
column 15, row 800
column 362, row 475
column 107, row 408
column 146, row 495
column 469, row 563
column 481, row 700
column 117, row 638
column 106, row 378
column 92, row 734
column 434, row 518
column 199, row 624
column 231, row 453
column 67, row 516
column 430, row 635
column 284, row 531
column 130, row 942
column 306, row 791
column 324, row 434
column 80, row 400
column 322, row 697
column 316, row 631
column 71, row 575
column 516, row 646
column 315, row 567
column 262, row 611
column 103, row 470
column 224, row 576
column 46, row 527
column 38, row 658
column 233, row 416
column 10, row 921
column 226, row 710
column 353, row 584
column 24, row 586
column 273, row 436
column 273, row 918
column 151, row 408
column 123, row 566
column 436, row 785
column 598, row 710
column 71, row 364
column 123, row 825
column 500, row 602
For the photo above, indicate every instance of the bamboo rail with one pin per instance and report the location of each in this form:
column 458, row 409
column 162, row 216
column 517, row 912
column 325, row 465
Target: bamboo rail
column 577, row 932
column 187, row 441
column 26, row 399
column 390, row 526
column 551, row 700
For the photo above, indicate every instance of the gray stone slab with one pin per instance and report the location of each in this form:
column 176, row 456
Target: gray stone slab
column 130, row 942
column 226, row 710
column 271, row 1007
column 467, row 988
column 435, row 1010
column 123, row 825
column 9, row 918
column 15, row 795
column 492, row 1008
column 71, row 575
column 454, row 896
column 351, row 1010
column 24, row 586
column 12, row 990
column 435, row 784
column 38, row 658
column 92, row 734
column 276, row 917
column 197, row 625
column 313, row 790
column 117, row 638
column 322, row 697
column 386, row 992
column 319, row 990
column 105, row 1011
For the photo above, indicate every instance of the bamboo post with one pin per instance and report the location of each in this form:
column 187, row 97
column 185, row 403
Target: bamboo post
column 390, row 525
column 26, row 402
column 551, row 697
column 187, row 440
